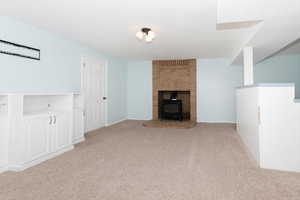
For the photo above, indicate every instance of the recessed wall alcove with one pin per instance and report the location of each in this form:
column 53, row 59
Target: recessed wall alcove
column 177, row 76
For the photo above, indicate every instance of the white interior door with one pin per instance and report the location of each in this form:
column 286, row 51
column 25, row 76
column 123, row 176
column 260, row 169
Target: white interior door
column 94, row 92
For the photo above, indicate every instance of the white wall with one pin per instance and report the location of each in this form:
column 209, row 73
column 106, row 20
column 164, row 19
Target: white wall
column 279, row 128
column 59, row 67
column 139, row 90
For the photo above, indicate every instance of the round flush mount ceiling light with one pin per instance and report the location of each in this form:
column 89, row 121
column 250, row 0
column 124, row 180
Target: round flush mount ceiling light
column 145, row 34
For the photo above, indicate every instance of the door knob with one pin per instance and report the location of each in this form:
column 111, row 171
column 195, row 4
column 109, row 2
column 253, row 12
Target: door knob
column 104, row 98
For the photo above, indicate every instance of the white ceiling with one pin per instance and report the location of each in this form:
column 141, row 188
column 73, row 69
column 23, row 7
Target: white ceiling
column 184, row 29
column 279, row 28
column 293, row 49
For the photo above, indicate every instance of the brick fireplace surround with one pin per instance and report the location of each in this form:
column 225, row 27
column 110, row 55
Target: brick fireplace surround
column 175, row 75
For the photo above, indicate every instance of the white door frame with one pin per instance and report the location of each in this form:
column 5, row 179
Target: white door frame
column 82, row 77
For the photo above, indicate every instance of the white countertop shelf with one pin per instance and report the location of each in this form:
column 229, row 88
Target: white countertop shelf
column 44, row 113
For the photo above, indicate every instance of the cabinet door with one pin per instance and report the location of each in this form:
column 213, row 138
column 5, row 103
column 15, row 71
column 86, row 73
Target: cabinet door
column 78, row 129
column 38, row 137
column 63, row 131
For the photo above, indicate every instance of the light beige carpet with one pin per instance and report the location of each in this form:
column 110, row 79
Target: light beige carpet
column 169, row 124
column 131, row 162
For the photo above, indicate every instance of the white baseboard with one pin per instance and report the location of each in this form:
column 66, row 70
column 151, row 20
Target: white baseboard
column 79, row 140
column 115, row 122
column 217, row 122
column 139, row 119
column 3, row 169
column 3, row 166
column 18, row 168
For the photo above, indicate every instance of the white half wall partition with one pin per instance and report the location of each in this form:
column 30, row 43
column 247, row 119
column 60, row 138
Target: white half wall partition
column 268, row 121
column 248, row 119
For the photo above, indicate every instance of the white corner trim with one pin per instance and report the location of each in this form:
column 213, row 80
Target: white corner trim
column 132, row 118
column 216, row 122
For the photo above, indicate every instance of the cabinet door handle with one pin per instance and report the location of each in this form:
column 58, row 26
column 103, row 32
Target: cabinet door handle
column 50, row 120
column 54, row 119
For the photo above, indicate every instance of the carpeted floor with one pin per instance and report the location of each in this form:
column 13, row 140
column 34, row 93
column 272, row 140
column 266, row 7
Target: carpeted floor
column 169, row 124
column 130, row 162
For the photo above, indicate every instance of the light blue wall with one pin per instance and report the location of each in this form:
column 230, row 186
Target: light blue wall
column 129, row 88
column 57, row 71
column 216, row 85
column 217, row 81
column 139, row 90
column 59, row 67
column 279, row 69
column 117, row 91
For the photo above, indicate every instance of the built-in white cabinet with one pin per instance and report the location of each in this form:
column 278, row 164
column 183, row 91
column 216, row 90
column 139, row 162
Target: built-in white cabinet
column 38, row 137
column 48, row 134
column 3, row 105
column 78, row 133
column 3, row 132
column 78, row 112
column 37, row 127
column 3, row 142
column 62, row 133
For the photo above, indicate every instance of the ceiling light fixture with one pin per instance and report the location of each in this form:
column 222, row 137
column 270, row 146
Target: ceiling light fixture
column 145, row 33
